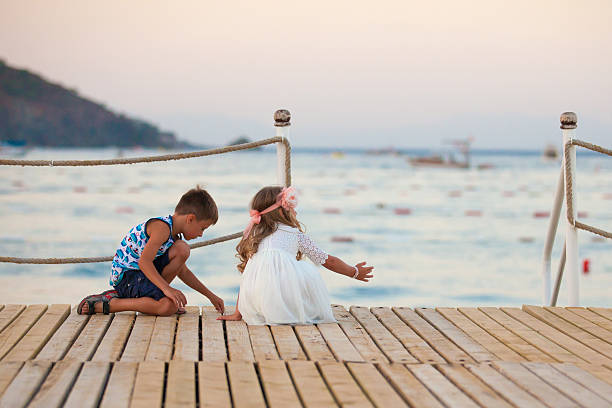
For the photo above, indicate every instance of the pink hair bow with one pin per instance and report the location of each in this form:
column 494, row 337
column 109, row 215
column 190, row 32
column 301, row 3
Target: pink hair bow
column 287, row 199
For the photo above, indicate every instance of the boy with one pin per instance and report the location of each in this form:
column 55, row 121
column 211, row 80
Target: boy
column 151, row 255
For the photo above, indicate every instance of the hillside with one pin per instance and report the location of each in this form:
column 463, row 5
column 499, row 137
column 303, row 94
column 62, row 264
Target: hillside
column 45, row 114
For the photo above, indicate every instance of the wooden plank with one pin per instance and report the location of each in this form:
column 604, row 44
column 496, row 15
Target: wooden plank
column 313, row 343
column 408, row 337
column 385, row 340
column 376, row 387
column 181, row 385
column 358, row 336
column 436, row 340
column 8, row 314
column 503, row 386
column 213, row 337
column 39, row 334
column 587, row 315
column 56, row 386
column 25, row 384
column 238, row 341
column 599, row 371
column 571, row 330
column 586, row 379
column 263, row 343
column 187, row 342
column 338, row 343
column 91, row 335
column 213, row 385
column 505, row 336
column 287, row 344
column 602, row 311
column 440, row 386
column 478, row 334
column 64, row 337
column 472, row 386
column 452, row 332
column 244, row 385
column 140, row 338
column 114, row 341
column 277, row 384
column 408, row 386
column 19, row 327
column 120, row 385
column 8, row 371
column 558, row 353
column 88, row 388
column 310, row 386
column 586, row 320
column 162, row 339
column 149, row 385
column 558, row 337
column 533, row 384
column 342, row 385
column 565, row 385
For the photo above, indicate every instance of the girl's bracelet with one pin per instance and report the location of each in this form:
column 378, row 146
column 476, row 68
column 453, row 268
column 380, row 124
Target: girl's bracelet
column 356, row 272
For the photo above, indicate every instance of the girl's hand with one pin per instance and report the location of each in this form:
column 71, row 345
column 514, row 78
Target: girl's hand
column 365, row 272
column 234, row 316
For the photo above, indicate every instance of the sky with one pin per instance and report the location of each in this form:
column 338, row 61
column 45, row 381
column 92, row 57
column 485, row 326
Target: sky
column 353, row 73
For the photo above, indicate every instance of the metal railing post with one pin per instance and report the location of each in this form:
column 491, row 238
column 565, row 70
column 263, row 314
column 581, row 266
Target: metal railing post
column 568, row 126
column 282, row 122
column 550, row 237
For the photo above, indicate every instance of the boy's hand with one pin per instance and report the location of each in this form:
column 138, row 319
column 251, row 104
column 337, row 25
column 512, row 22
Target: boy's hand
column 176, row 296
column 217, row 302
column 234, row 316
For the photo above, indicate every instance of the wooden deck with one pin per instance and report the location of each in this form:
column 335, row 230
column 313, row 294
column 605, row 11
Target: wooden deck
column 383, row 357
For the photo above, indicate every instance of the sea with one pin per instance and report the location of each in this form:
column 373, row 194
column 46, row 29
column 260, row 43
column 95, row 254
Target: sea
column 435, row 236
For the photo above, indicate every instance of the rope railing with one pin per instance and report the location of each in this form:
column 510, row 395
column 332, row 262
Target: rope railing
column 569, row 186
column 149, row 159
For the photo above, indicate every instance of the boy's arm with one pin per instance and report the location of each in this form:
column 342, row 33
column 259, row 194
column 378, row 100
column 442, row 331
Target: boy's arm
column 337, row 265
column 194, row 283
column 158, row 234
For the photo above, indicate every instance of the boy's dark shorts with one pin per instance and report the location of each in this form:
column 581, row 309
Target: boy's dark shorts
column 135, row 284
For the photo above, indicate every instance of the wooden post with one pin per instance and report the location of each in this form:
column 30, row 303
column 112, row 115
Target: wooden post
column 568, row 126
column 282, row 122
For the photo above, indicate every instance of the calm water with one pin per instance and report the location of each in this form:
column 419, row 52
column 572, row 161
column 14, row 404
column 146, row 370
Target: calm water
column 435, row 256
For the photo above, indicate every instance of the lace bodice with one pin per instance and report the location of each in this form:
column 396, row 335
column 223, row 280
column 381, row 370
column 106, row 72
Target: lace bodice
column 293, row 240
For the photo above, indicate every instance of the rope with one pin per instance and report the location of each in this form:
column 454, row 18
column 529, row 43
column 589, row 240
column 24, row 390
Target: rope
column 569, row 186
column 105, row 258
column 148, row 159
column 178, row 156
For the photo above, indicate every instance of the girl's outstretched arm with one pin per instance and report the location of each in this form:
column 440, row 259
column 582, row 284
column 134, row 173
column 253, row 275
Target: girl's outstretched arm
column 359, row 271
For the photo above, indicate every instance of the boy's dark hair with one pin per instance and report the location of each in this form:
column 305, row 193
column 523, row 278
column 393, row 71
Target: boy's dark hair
column 197, row 201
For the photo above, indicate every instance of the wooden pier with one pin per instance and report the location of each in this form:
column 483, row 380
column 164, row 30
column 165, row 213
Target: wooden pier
column 383, row 357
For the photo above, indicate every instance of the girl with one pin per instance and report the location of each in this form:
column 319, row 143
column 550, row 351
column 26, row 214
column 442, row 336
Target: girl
column 277, row 287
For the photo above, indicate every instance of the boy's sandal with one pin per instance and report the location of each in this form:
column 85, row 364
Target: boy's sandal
column 91, row 301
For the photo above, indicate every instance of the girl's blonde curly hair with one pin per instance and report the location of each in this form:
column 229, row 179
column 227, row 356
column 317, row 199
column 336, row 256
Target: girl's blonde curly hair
column 263, row 199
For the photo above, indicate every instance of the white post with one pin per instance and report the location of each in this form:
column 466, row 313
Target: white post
column 568, row 126
column 550, row 237
column 282, row 122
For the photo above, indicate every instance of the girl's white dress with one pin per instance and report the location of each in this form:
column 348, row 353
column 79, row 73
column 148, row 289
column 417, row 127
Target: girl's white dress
column 276, row 288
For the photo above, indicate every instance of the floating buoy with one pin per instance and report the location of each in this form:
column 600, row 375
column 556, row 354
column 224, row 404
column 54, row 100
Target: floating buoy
column 586, row 267
column 526, row 239
column 402, row 211
column 124, row 210
column 331, row 210
column 80, row 189
column 485, row 166
column 473, row 213
column 342, row 239
column 541, row 214
column 454, row 193
column 582, row 214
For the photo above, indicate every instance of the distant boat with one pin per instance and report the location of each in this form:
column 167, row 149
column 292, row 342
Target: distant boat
column 447, row 159
column 13, row 148
column 550, row 152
